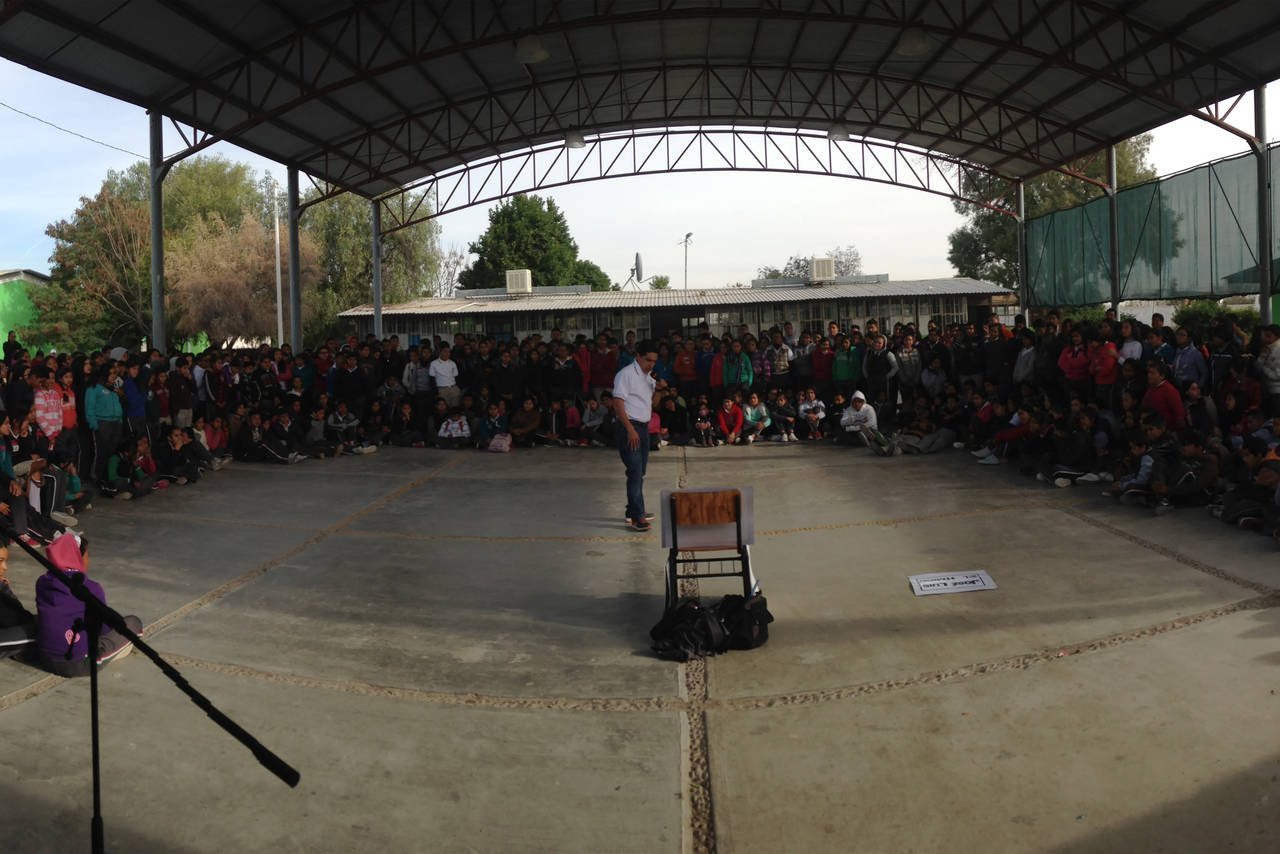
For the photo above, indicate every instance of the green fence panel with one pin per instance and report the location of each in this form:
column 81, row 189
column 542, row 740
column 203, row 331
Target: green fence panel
column 1191, row 235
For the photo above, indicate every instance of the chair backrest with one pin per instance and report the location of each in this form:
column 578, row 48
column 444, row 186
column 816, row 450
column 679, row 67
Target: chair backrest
column 697, row 509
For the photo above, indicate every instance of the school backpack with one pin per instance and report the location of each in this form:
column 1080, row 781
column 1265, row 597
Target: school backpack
column 688, row 631
column 746, row 621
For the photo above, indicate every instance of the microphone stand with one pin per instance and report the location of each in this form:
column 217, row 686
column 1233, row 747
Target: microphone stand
column 97, row 612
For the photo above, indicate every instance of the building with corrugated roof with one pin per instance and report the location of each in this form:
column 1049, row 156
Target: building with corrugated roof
column 575, row 310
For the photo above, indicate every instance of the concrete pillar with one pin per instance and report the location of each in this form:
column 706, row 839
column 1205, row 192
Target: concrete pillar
column 377, row 269
column 158, row 170
column 1113, row 227
column 1263, row 158
column 295, row 266
column 1024, row 283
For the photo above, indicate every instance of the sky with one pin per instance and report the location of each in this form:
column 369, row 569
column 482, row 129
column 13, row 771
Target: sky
column 740, row 222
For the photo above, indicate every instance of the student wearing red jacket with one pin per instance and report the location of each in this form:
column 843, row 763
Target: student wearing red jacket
column 823, row 360
column 1163, row 397
column 729, row 422
column 1075, row 362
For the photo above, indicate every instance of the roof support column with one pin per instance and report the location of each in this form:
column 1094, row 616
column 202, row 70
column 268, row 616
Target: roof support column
column 377, row 269
column 1113, row 227
column 158, row 171
column 295, row 265
column 1024, row 290
column 1263, row 158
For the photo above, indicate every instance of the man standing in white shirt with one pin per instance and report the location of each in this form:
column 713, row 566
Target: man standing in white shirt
column 445, row 373
column 635, row 394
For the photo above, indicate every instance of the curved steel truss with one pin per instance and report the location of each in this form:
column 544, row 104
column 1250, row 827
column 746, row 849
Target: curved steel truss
column 695, row 150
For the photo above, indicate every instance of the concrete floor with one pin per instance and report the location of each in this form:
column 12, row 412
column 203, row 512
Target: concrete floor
column 452, row 648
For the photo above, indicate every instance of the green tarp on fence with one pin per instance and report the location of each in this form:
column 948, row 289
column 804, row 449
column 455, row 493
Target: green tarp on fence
column 1191, row 235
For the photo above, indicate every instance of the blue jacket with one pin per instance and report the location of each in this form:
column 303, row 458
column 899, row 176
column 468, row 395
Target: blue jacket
column 101, row 404
column 135, row 399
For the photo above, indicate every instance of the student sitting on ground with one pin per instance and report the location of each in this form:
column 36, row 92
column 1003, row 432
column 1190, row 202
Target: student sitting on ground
column 704, row 431
column 63, row 640
column 524, row 423
column 859, row 424
column 455, row 433
column 1135, row 486
column 492, row 425
column 755, row 418
column 125, row 477
column 404, row 427
column 728, row 422
column 812, row 412
column 17, row 624
column 783, row 416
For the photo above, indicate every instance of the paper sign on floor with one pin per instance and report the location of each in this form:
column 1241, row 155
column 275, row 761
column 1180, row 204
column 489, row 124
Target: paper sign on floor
column 950, row 582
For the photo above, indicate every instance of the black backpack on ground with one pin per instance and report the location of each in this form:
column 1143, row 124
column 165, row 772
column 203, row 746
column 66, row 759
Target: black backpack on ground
column 688, row 631
column 745, row 620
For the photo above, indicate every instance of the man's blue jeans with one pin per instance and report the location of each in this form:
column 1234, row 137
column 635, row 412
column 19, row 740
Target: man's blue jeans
column 636, row 462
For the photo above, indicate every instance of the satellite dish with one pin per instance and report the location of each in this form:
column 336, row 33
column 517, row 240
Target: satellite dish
column 639, row 269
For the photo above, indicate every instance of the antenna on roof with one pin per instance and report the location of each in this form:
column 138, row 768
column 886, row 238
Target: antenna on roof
column 637, row 275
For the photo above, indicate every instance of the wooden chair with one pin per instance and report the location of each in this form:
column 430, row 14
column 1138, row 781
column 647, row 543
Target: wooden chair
column 700, row 521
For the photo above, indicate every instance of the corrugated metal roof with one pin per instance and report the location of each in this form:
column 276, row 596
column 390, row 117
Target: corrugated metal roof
column 679, row 298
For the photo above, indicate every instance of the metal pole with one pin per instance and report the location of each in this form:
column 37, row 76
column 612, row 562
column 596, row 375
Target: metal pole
column 275, row 225
column 377, row 270
column 686, row 263
column 158, row 170
column 1024, row 285
column 1113, row 227
column 295, row 265
column 1263, row 158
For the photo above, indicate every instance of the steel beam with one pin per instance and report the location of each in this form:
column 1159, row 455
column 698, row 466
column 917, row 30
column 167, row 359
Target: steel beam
column 158, row 170
column 295, row 265
column 1262, row 155
column 377, row 269
column 1024, row 283
column 1113, row 227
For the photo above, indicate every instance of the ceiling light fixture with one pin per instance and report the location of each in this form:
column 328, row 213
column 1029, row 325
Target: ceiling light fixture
column 574, row 139
column 530, row 51
column 838, row 133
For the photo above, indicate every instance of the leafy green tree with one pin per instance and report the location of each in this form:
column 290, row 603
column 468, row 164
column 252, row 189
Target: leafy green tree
column 524, row 233
column 589, row 273
column 986, row 247
column 342, row 229
column 660, row 283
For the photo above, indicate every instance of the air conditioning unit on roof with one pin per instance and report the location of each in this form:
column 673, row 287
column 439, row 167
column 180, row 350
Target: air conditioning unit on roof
column 519, row 282
column 822, row 270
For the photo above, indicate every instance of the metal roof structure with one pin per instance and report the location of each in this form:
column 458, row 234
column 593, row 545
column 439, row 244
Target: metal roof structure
column 7, row 276
column 667, row 298
column 370, row 96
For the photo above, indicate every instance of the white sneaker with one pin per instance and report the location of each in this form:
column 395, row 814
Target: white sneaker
column 719, row 442
column 792, row 437
column 959, row 446
column 369, row 449
column 982, row 452
column 1062, row 482
column 1040, row 477
column 751, row 438
column 124, row 496
column 1106, row 476
column 990, row 460
column 662, row 443
column 1089, row 477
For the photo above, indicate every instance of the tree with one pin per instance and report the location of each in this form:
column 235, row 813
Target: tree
column 660, row 283
column 452, row 262
column 100, row 291
column 848, row 262
column 589, row 273
column 986, row 247
column 342, row 228
column 224, row 276
column 524, row 233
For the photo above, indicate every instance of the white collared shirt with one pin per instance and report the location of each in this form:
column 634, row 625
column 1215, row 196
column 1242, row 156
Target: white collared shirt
column 635, row 389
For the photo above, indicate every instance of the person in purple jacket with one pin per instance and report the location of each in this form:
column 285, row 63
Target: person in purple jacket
column 61, row 633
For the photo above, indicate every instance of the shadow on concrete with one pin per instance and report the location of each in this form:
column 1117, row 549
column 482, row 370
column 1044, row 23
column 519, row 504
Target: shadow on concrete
column 1237, row 814
column 1266, row 624
column 36, row 826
